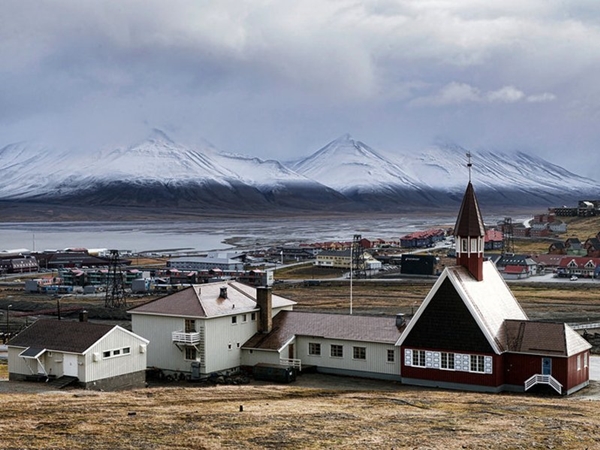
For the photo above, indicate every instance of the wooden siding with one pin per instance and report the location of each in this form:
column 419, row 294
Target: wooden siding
column 493, row 379
column 447, row 324
column 224, row 341
column 375, row 362
column 576, row 377
column 96, row 367
column 161, row 351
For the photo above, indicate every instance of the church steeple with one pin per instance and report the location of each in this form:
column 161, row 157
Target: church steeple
column 469, row 233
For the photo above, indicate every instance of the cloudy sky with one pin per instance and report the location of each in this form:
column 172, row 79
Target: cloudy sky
column 282, row 78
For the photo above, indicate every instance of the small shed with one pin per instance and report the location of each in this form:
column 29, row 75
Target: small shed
column 95, row 356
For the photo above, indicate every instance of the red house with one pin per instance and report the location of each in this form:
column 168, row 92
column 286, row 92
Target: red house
column 471, row 333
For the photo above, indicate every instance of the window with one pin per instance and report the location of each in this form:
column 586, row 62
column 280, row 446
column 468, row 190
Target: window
column 314, row 349
column 116, row 352
column 578, row 362
column 391, row 355
column 447, row 361
column 477, row 363
column 190, row 353
column 418, row 358
column 233, row 320
column 190, row 326
column 337, row 351
column 359, row 352
column 253, row 316
column 464, row 245
column 229, row 346
column 244, row 318
column 585, row 360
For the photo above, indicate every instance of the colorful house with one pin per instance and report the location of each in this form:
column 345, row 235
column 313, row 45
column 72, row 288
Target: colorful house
column 471, row 333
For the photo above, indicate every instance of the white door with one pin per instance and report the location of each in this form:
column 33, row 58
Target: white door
column 70, row 365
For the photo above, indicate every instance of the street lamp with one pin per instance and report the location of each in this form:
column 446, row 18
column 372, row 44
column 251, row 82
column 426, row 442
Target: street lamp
column 7, row 320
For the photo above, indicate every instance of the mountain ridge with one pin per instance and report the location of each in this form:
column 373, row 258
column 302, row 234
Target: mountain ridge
column 345, row 175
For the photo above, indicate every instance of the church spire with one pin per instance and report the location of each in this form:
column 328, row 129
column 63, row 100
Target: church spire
column 469, row 232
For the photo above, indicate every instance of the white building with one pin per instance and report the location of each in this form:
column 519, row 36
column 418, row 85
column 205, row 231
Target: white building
column 219, row 327
column 100, row 356
column 352, row 345
column 204, row 326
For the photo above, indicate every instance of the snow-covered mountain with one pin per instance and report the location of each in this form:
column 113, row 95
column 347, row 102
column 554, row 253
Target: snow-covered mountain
column 345, row 175
column 438, row 174
column 156, row 171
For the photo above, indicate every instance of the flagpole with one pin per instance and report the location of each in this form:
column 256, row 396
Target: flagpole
column 351, row 270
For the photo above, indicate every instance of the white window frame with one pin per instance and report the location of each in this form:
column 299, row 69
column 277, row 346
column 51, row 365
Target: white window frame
column 334, row 349
column 447, row 361
column 477, row 364
column 391, row 355
column 314, row 349
column 190, row 349
column 359, row 353
column 418, row 358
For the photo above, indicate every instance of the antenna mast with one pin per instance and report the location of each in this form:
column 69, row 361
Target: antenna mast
column 358, row 257
column 115, row 291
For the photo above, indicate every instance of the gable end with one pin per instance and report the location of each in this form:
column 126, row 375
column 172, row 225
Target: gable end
column 447, row 324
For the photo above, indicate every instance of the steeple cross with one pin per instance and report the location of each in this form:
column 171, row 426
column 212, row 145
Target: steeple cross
column 469, row 164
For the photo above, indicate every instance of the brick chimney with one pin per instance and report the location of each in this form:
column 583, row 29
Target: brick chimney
column 264, row 301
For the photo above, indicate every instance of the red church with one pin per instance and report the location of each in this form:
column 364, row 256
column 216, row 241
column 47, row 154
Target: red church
column 470, row 332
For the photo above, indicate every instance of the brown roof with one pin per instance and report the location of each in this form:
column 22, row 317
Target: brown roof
column 288, row 324
column 469, row 221
column 61, row 335
column 542, row 338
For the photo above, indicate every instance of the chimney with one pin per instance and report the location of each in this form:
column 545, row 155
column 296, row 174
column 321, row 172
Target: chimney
column 223, row 293
column 400, row 320
column 264, row 302
column 83, row 316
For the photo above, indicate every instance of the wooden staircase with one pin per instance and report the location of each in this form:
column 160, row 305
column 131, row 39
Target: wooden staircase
column 62, row 382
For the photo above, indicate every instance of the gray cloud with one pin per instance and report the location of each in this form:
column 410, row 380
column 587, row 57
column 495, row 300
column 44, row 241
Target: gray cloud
column 279, row 79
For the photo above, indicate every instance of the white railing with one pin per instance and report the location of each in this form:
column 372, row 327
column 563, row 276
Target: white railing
column 182, row 337
column 544, row 379
column 295, row 363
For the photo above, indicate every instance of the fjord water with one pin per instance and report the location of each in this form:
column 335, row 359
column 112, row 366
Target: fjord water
column 211, row 234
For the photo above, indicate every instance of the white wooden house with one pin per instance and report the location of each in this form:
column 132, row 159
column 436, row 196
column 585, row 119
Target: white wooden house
column 332, row 343
column 100, row 356
column 204, row 326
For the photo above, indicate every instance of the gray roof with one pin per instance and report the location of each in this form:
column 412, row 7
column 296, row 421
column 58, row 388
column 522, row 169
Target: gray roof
column 288, row 324
column 204, row 300
column 61, row 335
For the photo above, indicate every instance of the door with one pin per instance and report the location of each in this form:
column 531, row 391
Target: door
column 291, row 351
column 546, row 366
column 70, row 365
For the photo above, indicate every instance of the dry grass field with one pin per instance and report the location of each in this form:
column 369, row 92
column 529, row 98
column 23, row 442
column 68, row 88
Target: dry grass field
column 353, row 414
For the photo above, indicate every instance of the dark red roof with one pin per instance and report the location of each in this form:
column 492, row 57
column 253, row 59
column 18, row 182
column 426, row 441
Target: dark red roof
column 469, row 222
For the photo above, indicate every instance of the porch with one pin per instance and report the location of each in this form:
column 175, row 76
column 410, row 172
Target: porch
column 543, row 379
